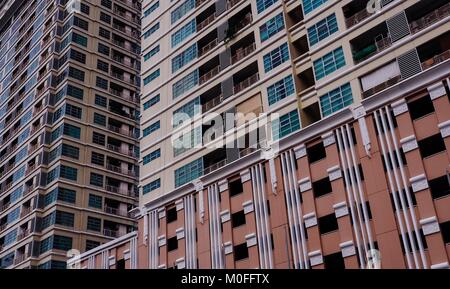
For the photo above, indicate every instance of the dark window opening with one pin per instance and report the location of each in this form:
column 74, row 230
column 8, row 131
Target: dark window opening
column 431, row 145
column 328, row 224
column 439, row 187
column 445, row 229
column 240, row 252
column 316, row 152
column 172, row 244
column 420, row 107
column 322, row 187
column 334, row 261
column 120, row 265
column 238, row 219
column 172, row 215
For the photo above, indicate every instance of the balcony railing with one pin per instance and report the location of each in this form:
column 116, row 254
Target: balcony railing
column 246, row 83
column 212, row 103
column 382, row 86
column 118, row 190
column 242, row 53
column 358, row 17
column 115, row 211
column 120, row 150
column 436, row 60
column 373, row 49
column 119, row 170
column 121, row 130
column 207, row 47
column 206, row 22
column 111, row 233
column 210, row 74
column 23, row 234
column 430, row 19
column 215, row 166
column 4, row 207
column 232, row 3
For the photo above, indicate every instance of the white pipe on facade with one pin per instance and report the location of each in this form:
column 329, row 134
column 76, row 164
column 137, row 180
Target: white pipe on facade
column 360, row 190
column 393, row 191
column 353, row 186
column 350, row 200
column 286, row 190
column 299, row 209
column 408, row 193
column 400, row 190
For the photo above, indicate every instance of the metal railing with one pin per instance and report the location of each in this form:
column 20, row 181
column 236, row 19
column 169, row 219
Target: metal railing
column 436, row 60
column 212, row 103
column 429, row 19
column 381, row 86
column 242, row 53
column 207, row 47
column 246, row 83
column 210, row 74
column 214, row 167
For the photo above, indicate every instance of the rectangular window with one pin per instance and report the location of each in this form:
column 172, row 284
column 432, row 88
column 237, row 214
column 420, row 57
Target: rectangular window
column 327, row 224
column 276, row 57
column 336, row 99
column 271, row 27
column 182, row 10
column 184, row 58
column 188, row 110
column 96, row 180
column 329, row 63
column 322, row 29
column 431, row 145
column 152, row 8
column 97, row 159
column 68, row 173
column 152, row 30
column 310, row 5
column 94, row 224
column 156, row 184
column 153, row 127
column 322, row 187
column 280, row 90
column 238, row 219
column 172, row 244
column 95, row 201
column 172, row 214
column 70, row 151
column 98, row 138
column 151, row 156
column 183, row 33
column 185, row 84
column 152, row 52
column 100, row 100
column 151, row 77
column 189, row 172
column 99, row 119
column 154, row 100
column 240, row 252
column 262, row 5
column 285, row 125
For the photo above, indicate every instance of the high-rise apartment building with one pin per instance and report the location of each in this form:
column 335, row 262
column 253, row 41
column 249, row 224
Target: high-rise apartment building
column 69, row 112
column 352, row 168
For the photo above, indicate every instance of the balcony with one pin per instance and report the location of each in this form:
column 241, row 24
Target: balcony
column 111, row 233
column 429, row 19
column 232, row 3
column 246, row 83
column 242, row 53
column 356, row 12
column 118, row 190
column 208, row 47
column 119, row 170
column 121, row 131
column 118, row 149
column 210, row 74
column 206, row 22
column 214, row 166
column 436, row 60
column 115, row 211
